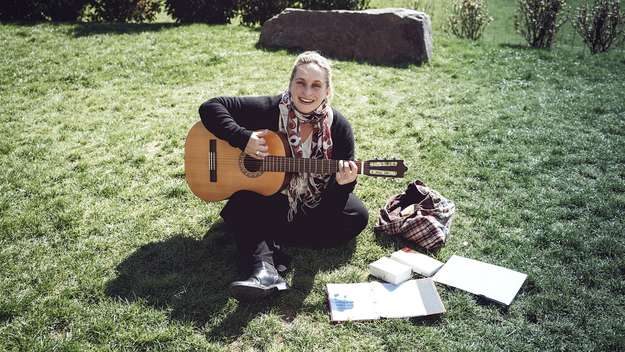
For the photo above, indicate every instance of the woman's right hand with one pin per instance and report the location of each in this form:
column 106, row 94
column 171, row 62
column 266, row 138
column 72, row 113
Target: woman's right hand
column 257, row 146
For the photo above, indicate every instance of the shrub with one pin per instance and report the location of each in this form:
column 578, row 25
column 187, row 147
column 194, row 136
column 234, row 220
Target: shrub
column 600, row 25
column 258, row 11
column 124, row 10
column 537, row 21
column 469, row 18
column 334, row 4
column 425, row 6
column 21, row 10
column 208, row 11
column 64, row 10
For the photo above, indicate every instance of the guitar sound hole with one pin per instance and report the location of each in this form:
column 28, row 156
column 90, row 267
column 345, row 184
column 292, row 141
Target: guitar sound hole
column 251, row 164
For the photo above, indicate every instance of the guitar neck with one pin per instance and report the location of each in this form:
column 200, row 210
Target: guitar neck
column 303, row 165
column 382, row 168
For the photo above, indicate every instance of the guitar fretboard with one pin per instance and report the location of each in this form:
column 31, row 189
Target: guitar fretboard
column 305, row 165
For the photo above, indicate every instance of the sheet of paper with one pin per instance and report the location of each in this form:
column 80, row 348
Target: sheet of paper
column 410, row 299
column 352, row 302
column 491, row 281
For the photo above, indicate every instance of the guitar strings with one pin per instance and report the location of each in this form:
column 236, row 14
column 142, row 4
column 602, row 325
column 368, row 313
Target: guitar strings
column 269, row 159
column 267, row 164
column 282, row 160
column 261, row 163
column 255, row 163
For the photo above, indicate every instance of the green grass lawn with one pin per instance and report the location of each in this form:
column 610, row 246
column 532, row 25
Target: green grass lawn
column 103, row 247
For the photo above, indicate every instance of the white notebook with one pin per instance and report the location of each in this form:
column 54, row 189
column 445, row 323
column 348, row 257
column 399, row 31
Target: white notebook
column 375, row 300
column 420, row 263
column 488, row 280
column 390, row 270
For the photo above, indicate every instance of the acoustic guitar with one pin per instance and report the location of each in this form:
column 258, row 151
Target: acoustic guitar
column 215, row 170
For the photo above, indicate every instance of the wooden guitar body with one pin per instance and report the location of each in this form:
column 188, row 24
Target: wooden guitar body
column 215, row 170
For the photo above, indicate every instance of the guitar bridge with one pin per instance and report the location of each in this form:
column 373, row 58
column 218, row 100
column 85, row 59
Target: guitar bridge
column 212, row 160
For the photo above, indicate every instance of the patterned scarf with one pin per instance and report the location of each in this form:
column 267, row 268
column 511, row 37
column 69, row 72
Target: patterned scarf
column 304, row 190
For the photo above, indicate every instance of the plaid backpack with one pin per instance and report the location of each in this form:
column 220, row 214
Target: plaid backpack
column 420, row 215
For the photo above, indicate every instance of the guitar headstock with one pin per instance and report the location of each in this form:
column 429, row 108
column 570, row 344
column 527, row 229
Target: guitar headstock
column 384, row 168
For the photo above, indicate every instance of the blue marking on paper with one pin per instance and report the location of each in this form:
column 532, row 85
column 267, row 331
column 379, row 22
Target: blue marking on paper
column 342, row 304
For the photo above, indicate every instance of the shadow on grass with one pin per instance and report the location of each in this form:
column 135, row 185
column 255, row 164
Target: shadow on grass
column 396, row 243
column 190, row 278
column 185, row 275
column 304, row 267
column 88, row 29
column 427, row 321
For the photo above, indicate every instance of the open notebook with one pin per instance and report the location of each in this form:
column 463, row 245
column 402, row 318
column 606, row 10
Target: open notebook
column 375, row 300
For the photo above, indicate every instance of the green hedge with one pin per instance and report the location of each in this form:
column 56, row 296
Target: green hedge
column 207, row 11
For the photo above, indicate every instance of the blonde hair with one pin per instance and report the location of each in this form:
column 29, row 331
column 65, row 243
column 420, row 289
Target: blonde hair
column 313, row 57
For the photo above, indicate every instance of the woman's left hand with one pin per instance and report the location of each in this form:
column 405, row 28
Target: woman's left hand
column 348, row 171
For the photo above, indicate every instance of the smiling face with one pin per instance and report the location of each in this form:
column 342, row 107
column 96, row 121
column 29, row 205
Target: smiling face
column 309, row 87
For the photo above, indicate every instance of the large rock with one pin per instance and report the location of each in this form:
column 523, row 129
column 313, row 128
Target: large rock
column 385, row 36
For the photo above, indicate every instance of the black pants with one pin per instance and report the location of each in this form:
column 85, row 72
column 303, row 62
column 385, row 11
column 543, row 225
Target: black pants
column 258, row 221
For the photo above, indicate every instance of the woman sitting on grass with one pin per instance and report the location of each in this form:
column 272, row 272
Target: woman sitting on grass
column 316, row 211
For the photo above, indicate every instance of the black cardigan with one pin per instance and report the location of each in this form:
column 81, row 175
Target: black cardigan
column 233, row 119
